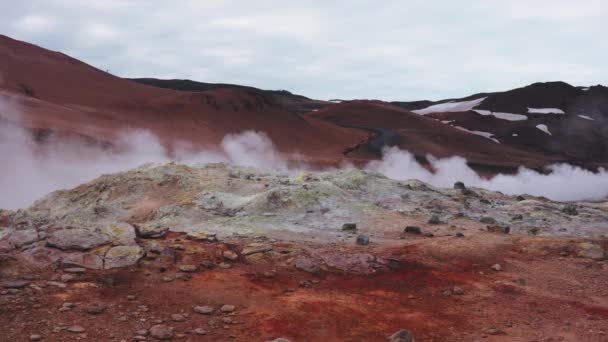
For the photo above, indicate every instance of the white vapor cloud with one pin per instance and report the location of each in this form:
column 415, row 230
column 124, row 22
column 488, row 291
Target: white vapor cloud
column 563, row 183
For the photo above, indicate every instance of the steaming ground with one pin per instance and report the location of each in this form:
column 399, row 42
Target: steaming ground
column 28, row 171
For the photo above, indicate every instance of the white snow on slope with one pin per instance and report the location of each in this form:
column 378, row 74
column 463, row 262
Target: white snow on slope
column 545, row 111
column 504, row 116
column 480, row 133
column 544, row 128
column 586, row 117
column 450, row 107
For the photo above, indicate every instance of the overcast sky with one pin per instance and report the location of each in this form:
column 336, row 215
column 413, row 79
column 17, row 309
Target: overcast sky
column 391, row 50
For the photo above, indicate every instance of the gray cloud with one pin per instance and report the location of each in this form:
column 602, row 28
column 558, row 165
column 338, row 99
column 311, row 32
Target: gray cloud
column 393, row 50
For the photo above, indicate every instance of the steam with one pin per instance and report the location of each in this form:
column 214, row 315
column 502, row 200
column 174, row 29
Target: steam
column 29, row 170
column 563, row 183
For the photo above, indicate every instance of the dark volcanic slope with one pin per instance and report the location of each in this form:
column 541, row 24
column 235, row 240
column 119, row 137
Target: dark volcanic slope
column 423, row 135
column 292, row 102
column 576, row 119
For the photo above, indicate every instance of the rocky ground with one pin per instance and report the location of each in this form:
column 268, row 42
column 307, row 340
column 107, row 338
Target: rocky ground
column 223, row 253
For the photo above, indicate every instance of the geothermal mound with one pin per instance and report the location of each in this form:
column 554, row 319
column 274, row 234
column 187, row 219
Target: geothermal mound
column 220, row 252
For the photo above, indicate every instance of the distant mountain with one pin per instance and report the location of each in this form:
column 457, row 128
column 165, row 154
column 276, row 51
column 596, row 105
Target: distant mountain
column 533, row 126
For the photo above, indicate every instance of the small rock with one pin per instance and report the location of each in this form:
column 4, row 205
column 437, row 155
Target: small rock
column 459, row 235
column 227, row 308
column 131, row 297
column 139, row 338
column 66, row 278
column 35, row 337
column 200, row 331
column 591, row 251
column 227, row 320
column 280, row 339
column 570, row 209
column 497, row 267
column 95, row 309
column 351, row 227
column 487, row 220
column 75, row 270
column 517, row 217
column 230, row 255
column 401, row 336
column 459, row 185
column 161, row 332
column 208, row 264
column 457, row 291
column 77, row 329
column 362, row 240
column 178, row 317
column 203, row 309
column 14, row 284
column 413, row 230
column 305, row 284
column 434, row 219
column 520, row 198
column 498, row 228
column 187, row 268
column 224, row 265
column 428, row 234
column 306, row 265
column 492, row 331
column 142, row 332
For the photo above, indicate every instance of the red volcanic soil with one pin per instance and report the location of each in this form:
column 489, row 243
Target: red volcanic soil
column 542, row 294
column 55, row 91
column 422, row 135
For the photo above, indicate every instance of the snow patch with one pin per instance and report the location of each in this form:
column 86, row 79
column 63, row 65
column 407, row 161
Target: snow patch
column 586, row 117
column 480, row 133
column 503, row 116
column 451, row 106
column 544, row 128
column 545, row 111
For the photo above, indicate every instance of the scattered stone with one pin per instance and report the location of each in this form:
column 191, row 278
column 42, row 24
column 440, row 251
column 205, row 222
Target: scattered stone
column 200, row 331
column 227, row 320
column 269, row 274
column 224, row 265
column 148, row 231
column 517, row 217
column 362, row 240
column 434, row 219
column 66, row 278
column 459, row 185
column 349, row 227
column 306, row 265
column 77, row 329
column 35, row 337
column 459, row 235
column 457, row 291
column 227, row 308
column 95, row 309
column 187, row 268
column 208, row 264
column 139, row 338
column 428, row 234
column 413, row 230
column 161, row 332
column 14, row 284
column 520, row 198
column 178, row 317
column 591, row 251
column 75, row 270
column 498, row 228
column 402, row 336
column 142, row 332
column 305, row 284
column 497, row 267
column 570, row 209
column 487, row 220
column 280, row 339
column 230, row 255
column 79, row 239
column 203, row 309
column 122, row 256
column 533, row 230
column 255, row 248
column 493, row 331
column 131, row 297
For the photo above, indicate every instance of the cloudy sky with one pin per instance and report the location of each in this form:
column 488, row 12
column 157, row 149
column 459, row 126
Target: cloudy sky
column 391, row 50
